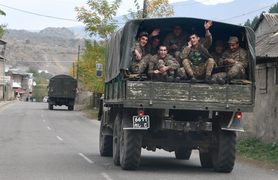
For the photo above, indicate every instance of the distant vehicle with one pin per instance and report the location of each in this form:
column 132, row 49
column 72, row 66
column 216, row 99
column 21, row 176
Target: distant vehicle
column 45, row 99
column 62, row 91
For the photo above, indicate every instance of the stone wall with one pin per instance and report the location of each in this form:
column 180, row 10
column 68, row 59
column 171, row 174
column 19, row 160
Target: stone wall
column 263, row 122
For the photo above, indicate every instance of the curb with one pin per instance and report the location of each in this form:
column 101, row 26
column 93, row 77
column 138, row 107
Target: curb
column 2, row 104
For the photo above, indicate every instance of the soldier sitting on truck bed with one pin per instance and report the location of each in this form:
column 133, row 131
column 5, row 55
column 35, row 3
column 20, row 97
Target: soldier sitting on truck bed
column 152, row 46
column 196, row 59
column 219, row 50
column 236, row 60
column 140, row 58
column 175, row 41
column 163, row 65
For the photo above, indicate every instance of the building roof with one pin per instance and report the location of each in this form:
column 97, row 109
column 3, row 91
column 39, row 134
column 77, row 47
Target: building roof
column 267, row 43
column 271, row 18
column 2, row 42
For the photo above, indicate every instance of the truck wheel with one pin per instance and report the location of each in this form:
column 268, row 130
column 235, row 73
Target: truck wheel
column 70, row 107
column 183, row 153
column 116, row 140
column 105, row 143
column 223, row 157
column 205, row 159
column 50, row 106
column 130, row 149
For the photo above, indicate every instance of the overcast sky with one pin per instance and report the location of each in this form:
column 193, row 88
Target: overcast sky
column 19, row 12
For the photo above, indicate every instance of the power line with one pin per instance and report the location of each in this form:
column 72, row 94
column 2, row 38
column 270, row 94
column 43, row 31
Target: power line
column 38, row 14
column 247, row 13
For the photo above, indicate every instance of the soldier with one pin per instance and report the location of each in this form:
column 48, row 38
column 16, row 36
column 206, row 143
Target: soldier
column 219, row 50
column 163, row 65
column 196, row 59
column 140, row 59
column 236, row 60
column 153, row 46
column 175, row 41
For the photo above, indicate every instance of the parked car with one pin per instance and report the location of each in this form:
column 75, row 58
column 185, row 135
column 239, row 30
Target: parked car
column 45, row 99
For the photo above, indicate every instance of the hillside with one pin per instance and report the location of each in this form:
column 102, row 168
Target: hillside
column 52, row 49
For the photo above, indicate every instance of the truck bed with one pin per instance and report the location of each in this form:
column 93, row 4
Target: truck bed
column 199, row 96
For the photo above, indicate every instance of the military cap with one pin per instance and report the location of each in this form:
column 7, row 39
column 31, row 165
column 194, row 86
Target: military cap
column 233, row 39
column 143, row 33
column 219, row 43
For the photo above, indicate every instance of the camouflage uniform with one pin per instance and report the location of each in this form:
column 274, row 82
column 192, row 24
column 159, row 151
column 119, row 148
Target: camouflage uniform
column 237, row 70
column 180, row 41
column 138, row 66
column 216, row 56
column 197, row 67
column 150, row 49
column 156, row 63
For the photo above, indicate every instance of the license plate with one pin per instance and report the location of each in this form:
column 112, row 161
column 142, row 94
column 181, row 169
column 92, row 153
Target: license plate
column 141, row 122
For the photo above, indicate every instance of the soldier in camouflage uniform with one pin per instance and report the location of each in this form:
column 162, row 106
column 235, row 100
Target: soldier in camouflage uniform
column 236, row 60
column 152, row 46
column 219, row 50
column 140, row 59
column 196, row 59
column 175, row 41
column 162, row 66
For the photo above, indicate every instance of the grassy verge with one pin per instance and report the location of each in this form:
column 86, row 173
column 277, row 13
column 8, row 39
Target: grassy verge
column 90, row 112
column 253, row 148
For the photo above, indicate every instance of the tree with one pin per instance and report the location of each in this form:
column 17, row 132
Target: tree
column 155, row 9
column 99, row 18
column 2, row 26
column 92, row 55
column 274, row 9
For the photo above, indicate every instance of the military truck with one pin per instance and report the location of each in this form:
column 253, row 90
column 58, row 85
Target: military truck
column 62, row 91
column 176, row 117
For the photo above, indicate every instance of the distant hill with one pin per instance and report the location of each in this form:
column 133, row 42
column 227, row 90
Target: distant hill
column 61, row 32
column 52, row 49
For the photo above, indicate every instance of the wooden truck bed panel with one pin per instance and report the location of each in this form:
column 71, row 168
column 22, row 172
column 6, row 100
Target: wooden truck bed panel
column 185, row 92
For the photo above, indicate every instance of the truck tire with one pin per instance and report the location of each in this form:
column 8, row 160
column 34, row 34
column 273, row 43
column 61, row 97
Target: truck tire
column 50, row 106
column 116, row 140
column 223, row 157
column 183, row 153
column 70, row 107
column 130, row 149
column 205, row 159
column 105, row 143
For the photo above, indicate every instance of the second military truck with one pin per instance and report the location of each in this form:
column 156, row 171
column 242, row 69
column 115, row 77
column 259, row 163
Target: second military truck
column 176, row 117
column 62, row 91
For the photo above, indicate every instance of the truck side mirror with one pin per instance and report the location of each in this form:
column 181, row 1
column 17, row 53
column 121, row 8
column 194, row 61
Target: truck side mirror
column 99, row 70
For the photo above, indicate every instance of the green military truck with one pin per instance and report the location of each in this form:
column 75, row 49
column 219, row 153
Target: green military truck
column 62, row 91
column 176, row 117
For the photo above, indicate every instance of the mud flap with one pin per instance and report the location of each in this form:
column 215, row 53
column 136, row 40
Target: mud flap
column 231, row 124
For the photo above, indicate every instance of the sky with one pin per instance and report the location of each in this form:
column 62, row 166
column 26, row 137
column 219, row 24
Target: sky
column 20, row 14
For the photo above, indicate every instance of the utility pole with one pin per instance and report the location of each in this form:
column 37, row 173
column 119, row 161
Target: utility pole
column 73, row 69
column 4, row 87
column 77, row 64
column 145, row 9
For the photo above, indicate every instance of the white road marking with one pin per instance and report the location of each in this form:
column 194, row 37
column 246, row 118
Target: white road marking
column 87, row 159
column 59, row 138
column 106, row 176
column 43, row 120
column 48, row 127
column 42, row 115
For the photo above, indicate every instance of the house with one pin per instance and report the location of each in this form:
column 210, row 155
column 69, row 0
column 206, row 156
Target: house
column 5, row 80
column 22, row 82
column 265, row 21
column 263, row 122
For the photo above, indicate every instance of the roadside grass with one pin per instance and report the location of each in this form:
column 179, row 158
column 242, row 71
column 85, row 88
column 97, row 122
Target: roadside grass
column 253, row 148
column 90, row 112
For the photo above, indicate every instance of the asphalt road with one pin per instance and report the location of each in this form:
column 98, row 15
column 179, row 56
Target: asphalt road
column 37, row 143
